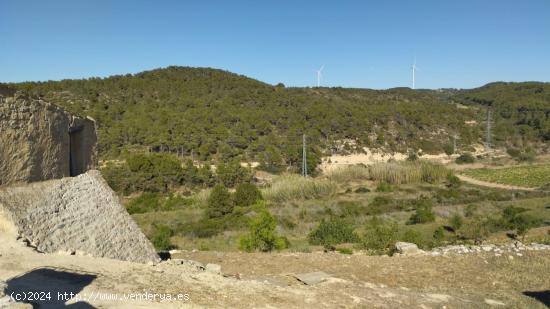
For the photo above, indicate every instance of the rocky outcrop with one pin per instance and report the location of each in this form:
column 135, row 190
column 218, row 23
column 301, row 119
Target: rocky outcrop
column 79, row 215
column 41, row 141
column 406, row 248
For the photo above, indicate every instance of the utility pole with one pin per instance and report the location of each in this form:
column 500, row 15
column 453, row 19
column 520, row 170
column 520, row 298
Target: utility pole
column 488, row 136
column 304, row 156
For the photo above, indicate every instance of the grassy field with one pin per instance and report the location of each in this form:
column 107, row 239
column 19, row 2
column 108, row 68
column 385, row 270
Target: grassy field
column 532, row 176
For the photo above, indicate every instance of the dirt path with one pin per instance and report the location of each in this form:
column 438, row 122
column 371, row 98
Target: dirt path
column 491, row 184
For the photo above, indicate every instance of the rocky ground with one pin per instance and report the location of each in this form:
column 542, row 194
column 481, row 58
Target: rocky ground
column 479, row 278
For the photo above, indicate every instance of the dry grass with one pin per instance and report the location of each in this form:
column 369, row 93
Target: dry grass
column 392, row 172
column 294, row 187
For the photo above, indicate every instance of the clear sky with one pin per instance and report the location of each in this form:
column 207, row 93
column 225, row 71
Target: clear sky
column 367, row 44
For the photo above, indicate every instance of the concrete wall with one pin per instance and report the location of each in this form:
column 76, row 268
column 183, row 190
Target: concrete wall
column 35, row 141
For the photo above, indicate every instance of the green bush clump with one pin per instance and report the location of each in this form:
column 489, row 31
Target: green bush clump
column 383, row 204
column 516, row 219
column 219, row 202
column 455, row 222
column 412, row 236
column 348, row 251
column 262, row 235
column 161, row 237
column 380, row 235
column 332, row 232
column 349, row 209
column 157, row 172
column 465, row 158
column 424, row 212
column 453, row 182
column 439, row 235
column 477, row 229
column 154, row 201
column 384, row 187
column 232, row 173
column 246, row 194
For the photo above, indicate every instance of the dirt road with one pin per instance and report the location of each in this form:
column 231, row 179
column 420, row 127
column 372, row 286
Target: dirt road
column 491, row 184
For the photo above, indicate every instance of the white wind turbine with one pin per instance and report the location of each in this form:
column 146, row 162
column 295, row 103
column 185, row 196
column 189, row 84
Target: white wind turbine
column 414, row 68
column 319, row 75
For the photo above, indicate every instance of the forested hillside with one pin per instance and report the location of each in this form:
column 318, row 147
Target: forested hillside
column 213, row 114
column 520, row 111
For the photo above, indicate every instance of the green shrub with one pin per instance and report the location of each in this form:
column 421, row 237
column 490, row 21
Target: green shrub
column 232, row 173
column 515, row 218
column 424, row 212
column 476, row 229
column 465, row 158
column 453, row 181
column 384, row 187
column 412, row 236
column 161, row 237
column 246, row 194
column 219, row 202
column 349, row 209
column 527, row 155
column 380, row 235
column 345, row 250
column 383, row 204
column 154, row 201
column 332, row 232
column 262, row 235
column 456, row 222
column 439, row 235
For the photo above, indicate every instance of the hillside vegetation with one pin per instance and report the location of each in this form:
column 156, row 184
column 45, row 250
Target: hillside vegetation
column 520, row 111
column 213, row 114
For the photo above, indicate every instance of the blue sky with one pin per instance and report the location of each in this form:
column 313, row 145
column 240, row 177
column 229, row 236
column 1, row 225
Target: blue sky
column 367, row 44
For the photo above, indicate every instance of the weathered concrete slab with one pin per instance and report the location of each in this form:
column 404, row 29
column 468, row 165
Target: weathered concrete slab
column 313, row 278
column 76, row 214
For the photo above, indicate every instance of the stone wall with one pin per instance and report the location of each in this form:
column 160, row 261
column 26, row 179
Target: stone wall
column 35, row 141
column 79, row 215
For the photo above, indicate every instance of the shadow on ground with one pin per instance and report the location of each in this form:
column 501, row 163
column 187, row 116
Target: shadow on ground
column 55, row 284
column 542, row 296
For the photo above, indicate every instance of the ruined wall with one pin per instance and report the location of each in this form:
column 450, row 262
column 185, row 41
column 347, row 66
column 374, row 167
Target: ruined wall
column 75, row 214
column 35, row 141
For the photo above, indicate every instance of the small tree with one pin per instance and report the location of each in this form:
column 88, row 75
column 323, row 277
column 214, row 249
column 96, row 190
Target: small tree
column 424, row 212
column 219, row 202
column 247, row 194
column 380, row 235
column 262, row 235
column 232, row 173
column 332, row 232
